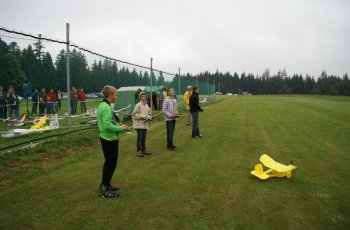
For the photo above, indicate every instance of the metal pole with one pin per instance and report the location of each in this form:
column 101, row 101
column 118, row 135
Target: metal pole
column 197, row 82
column 214, row 86
column 68, row 80
column 151, row 99
column 216, row 96
column 179, row 83
column 208, row 85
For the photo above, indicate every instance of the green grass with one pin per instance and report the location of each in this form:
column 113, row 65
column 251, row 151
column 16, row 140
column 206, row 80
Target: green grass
column 205, row 184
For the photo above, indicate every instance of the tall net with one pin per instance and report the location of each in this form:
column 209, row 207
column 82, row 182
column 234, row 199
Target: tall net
column 33, row 83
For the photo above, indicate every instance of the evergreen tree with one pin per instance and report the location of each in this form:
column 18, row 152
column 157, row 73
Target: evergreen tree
column 3, row 67
column 49, row 72
column 13, row 74
column 32, row 67
column 61, row 71
column 236, row 84
column 39, row 49
column 310, row 84
column 161, row 79
column 346, row 85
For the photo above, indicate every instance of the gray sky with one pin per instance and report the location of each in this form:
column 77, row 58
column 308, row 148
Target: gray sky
column 303, row 36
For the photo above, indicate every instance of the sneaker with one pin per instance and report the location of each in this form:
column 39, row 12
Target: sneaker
column 144, row 152
column 171, row 148
column 108, row 194
column 139, row 154
column 174, row 146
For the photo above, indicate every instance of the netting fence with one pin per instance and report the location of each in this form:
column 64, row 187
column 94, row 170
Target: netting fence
column 37, row 80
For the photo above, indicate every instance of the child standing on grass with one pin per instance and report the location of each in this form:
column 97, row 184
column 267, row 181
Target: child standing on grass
column 109, row 129
column 140, row 116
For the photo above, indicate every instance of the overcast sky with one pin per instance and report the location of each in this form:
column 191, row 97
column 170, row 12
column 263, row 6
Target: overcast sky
column 302, row 36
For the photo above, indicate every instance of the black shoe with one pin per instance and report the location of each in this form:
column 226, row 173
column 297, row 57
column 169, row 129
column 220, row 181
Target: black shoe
column 113, row 189
column 174, row 146
column 171, row 148
column 108, row 194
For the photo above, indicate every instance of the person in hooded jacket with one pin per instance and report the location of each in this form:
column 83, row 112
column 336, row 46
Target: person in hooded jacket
column 140, row 117
column 195, row 109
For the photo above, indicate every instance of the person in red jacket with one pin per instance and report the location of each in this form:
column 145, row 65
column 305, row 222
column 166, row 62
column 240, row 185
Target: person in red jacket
column 82, row 99
column 52, row 101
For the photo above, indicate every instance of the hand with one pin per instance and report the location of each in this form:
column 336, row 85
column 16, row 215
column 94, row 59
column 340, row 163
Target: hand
column 125, row 127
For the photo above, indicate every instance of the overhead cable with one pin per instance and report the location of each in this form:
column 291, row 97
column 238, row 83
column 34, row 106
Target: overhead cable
column 83, row 49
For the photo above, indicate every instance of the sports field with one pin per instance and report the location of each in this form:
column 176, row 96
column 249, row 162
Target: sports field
column 205, row 184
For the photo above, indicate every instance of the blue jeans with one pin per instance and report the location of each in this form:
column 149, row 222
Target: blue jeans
column 170, row 129
column 195, row 126
column 141, row 139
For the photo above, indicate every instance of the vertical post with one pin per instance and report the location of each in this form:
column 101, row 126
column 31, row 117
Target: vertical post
column 197, row 82
column 179, row 83
column 216, row 96
column 208, row 85
column 151, row 99
column 68, row 80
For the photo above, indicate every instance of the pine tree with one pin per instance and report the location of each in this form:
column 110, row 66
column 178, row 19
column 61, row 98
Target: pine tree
column 39, row 49
column 13, row 74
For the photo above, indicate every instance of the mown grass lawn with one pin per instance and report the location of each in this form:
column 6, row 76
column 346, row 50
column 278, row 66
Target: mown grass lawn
column 205, row 184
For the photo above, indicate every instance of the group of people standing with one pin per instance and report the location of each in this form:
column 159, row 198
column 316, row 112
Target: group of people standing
column 51, row 103
column 75, row 97
column 109, row 128
column 48, row 103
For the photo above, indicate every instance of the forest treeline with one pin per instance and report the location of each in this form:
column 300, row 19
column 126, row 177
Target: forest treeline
column 32, row 64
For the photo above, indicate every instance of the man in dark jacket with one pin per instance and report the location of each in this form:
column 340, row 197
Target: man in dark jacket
column 195, row 109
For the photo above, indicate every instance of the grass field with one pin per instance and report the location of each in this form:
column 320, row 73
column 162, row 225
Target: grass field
column 205, row 184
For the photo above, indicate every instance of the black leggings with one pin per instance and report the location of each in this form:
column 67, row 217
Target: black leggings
column 110, row 152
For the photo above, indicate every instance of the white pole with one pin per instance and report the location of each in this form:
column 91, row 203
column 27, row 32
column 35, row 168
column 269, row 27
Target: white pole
column 68, row 80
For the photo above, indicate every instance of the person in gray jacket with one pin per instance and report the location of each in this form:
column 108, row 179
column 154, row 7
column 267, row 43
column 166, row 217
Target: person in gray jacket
column 140, row 117
column 171, row 114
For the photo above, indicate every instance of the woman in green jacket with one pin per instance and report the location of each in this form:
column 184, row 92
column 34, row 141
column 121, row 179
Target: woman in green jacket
column 109, row 129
